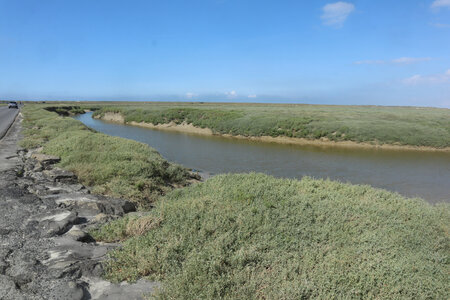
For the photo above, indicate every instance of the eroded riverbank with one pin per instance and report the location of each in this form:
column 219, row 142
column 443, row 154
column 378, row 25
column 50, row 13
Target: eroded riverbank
column 323, row 142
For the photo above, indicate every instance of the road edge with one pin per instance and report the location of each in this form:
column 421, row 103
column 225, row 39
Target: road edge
column 6, row 131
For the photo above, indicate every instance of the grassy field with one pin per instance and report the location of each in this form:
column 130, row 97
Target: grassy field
column 369, row 124
column 109, row 165
column 252, row 236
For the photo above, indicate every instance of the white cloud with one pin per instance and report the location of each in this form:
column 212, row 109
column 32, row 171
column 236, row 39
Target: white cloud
column 231, row 94
column 251, row 96
column 410, row 60
column 440, row 3
column 440, row 25
column 397, row 61
column 419, row 79
column 415, row 79
column 370, row 62
column 190, row 95
column 335, row 14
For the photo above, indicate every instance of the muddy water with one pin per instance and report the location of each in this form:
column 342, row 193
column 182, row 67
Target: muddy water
column 422, row 174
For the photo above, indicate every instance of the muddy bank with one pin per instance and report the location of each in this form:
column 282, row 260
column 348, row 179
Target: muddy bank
column 172, row 126
column 46, row 251
column 323, row 142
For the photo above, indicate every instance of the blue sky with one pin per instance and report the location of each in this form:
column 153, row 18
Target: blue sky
column 326, row 52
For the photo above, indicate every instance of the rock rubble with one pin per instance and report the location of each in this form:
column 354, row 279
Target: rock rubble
column 46, row 251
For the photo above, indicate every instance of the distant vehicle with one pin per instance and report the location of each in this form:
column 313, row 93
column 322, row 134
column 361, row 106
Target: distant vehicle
column 13, row 104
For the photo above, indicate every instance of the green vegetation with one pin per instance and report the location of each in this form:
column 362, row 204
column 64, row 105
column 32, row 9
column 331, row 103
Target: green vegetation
column 371, row 124
column 66, row 110
column 252, row 236
column 110, row 165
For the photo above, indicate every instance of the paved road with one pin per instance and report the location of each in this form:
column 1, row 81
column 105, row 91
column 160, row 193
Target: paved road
column 7, row 116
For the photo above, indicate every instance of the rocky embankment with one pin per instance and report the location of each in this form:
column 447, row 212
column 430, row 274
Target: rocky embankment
column 46, row 251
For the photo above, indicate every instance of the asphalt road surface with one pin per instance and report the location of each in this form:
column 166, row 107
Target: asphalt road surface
column 7, row 116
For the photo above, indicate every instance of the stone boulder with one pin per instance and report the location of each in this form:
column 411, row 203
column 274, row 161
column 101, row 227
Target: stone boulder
column 60, row 175
column 88, row 206
column 54, row 222
column 44, row 159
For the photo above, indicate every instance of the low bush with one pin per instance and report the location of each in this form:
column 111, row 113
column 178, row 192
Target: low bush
column 252, row 236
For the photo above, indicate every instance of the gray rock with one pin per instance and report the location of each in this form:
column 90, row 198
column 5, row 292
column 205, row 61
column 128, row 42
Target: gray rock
column 45, row 159
column 38, row 167
column 89, row 206
column 54, row 188
column 77, row 187
column 45, row 250
column 78, row 235
column 3, row 266
column 8, row 289
column 69, row 258
column 67, row 291
column 55, row 222
column 60, row 175
column 23, row 268
column 36, row 176
column 101, row 289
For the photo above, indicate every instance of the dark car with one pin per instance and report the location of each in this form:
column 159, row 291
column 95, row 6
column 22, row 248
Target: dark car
column 13, row 104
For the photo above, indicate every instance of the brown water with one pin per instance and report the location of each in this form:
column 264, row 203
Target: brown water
column 421, row 174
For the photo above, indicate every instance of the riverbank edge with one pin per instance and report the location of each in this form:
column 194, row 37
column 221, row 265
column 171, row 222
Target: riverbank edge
column 191, row 129
column 144, row 174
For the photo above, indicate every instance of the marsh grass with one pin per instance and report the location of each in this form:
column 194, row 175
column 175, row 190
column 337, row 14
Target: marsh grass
column 110, row 165
column 251, row 236
column 370, row 124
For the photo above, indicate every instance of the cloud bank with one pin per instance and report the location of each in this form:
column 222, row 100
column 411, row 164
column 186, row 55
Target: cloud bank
column 441, row 25
column 397, row 61
column 335, row 14
column 190, row 95
column 231, row 94
column 440, row 3
column 435, row 79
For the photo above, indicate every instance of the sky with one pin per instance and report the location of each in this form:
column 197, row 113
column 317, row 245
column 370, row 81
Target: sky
column 321, row 52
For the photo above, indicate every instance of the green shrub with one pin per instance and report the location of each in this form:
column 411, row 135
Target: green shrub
column 256, row 237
